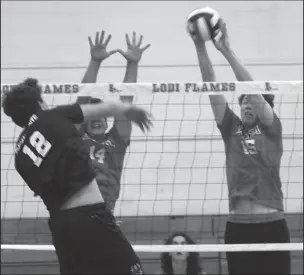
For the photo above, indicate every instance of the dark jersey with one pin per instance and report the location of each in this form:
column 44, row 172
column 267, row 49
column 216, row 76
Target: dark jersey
column 107, row 157
column 51, row 157
column 253, row 160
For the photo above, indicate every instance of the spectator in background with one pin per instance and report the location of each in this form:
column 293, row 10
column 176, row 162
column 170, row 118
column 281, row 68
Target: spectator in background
column 180, row 262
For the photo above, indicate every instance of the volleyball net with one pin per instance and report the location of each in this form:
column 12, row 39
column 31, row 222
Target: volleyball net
column 174, row 177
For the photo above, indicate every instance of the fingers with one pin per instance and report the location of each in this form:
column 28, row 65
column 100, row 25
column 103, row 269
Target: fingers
column 101, row 37
column 107, row 40
column 96, row 38
column 128, row 40
column 139, row 41
column 222, row 26
column 90, row 42
column 134, row 38
column 146, row 123
column 145, row 47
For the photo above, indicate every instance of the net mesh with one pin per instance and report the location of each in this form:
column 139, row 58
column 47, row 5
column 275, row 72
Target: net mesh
column 174, row 177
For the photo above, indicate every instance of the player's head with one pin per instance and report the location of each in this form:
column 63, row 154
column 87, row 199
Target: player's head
column 23, row 101
column 96, row 127
column 192, row 258
column 249, row 117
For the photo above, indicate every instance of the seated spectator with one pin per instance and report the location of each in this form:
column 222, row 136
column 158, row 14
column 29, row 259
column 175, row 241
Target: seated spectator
column 180, row 262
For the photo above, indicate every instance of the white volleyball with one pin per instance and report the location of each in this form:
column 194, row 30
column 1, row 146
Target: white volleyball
column 205, row 21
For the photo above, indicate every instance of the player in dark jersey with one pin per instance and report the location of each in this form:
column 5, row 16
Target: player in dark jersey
column 52, row 159
column 253, row 147
column 107, row 150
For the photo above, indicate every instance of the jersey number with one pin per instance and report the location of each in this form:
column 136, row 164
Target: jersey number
column 249, row 147
column 41, row 146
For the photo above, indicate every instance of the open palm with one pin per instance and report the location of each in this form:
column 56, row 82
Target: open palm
column 99, row 48
column 134, row 51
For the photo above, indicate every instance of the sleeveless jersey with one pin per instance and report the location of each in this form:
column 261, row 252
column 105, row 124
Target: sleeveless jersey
column 51, row 157
column 253, row 159
column 107, row 156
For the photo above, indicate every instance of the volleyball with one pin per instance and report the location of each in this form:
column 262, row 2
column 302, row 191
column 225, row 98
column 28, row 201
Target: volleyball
column 205, row 22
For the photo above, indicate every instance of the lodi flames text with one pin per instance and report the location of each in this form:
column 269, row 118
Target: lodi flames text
column 193, row 87
column 49, row 89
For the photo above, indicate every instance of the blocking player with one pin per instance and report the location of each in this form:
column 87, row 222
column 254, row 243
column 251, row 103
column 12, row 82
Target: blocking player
column 107, row 150
column 253, row 147
column 51, row 158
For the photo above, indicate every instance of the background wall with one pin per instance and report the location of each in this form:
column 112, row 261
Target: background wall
column 48, row 39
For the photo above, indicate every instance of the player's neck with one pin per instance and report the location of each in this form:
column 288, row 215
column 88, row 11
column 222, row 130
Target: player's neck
column 179, row 267
column 248, row 127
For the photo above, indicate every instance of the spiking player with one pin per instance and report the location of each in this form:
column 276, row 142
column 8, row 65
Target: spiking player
column 107, row 150
column 53, row 161
column 253, row 147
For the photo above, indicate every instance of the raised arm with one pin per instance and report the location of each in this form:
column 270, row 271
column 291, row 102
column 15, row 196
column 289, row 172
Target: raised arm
column 133, row 55
column 99, row 53
column 111, row 109
column 223, row 45
column 258, row 102
column 218, row 102
column 263, row 110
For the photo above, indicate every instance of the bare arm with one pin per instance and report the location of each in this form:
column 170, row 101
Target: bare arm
column 133, row 56
column 99, row 53
column 111, row 109
column 90, row 75
column 131, row 72
column 105, row 109
column 222, row 43
column 240, row 72
column 205, row 63
column 122, row 124
column 218, row 102
column 263, row 110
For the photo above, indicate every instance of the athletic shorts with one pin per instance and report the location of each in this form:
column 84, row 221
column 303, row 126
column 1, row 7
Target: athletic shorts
column 249, row 263
column 88, row 241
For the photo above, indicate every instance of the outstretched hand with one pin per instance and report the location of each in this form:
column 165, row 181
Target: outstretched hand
column 134, row 52
column 221, row 40
column 140, row 117
column 99, row 48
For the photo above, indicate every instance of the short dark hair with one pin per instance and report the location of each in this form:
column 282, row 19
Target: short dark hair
column 88, row 100
column 268, row 97
column 193, row 260
column 22, row 101
column 95, row 100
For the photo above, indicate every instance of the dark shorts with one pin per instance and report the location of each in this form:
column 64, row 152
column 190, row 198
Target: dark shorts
column 88, row 241
column 272, row 262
